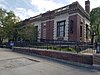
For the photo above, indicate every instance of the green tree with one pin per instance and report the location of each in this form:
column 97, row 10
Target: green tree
column 95, row 24
column 1, row 35
column 29, row 33
column 2, row 17
column 9, row 26
column 8, row 22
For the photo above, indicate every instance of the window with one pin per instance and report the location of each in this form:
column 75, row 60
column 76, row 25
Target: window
column 80, row 31
column 61, row 28
column 44, row 33
column 44, row 24
column 44, row 30
column 87, row 31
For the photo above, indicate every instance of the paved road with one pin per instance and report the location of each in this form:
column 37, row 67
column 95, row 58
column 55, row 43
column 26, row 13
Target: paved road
column 18, row 64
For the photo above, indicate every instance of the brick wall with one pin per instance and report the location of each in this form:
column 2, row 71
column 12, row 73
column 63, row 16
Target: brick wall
column 49, row 26
column 72, row 57
column 72, row 36
column 75, row 36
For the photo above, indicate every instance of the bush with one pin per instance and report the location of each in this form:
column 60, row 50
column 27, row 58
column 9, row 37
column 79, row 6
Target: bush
column 57, row 48
column 71, row 49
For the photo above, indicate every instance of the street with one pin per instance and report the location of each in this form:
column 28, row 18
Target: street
column 12, row 63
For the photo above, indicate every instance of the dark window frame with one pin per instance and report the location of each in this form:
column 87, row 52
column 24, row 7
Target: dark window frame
column 81, row 30
column 87, row 31
column 61, row 25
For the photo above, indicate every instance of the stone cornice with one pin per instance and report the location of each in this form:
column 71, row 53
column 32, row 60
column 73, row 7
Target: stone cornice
column 75, row 7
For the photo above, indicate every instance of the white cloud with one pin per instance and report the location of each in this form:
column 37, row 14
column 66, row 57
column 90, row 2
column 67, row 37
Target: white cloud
column 42, row 6
column 45, row 5
column 93, row 3
column 2, row 0
column 24, row 13
column 2, row 5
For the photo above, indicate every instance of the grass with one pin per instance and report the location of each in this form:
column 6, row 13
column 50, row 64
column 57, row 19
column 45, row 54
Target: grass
column 58, row 48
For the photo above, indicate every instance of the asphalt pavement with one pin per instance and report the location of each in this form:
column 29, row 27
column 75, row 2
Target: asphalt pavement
column 12, row 63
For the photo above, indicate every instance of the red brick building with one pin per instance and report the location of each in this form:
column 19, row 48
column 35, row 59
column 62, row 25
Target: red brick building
column 68, row 23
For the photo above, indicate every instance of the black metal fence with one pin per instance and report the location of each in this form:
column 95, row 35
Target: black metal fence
column 56, row 45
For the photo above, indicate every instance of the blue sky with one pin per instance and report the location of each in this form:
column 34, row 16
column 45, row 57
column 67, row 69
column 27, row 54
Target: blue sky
column 29, row 8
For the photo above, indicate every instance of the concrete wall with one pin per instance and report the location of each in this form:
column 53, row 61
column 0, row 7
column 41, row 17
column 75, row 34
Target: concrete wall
column 61, row 18
column 84, row 21
column 87, row 22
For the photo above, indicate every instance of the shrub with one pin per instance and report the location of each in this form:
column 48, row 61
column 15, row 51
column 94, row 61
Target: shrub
column 71, row 49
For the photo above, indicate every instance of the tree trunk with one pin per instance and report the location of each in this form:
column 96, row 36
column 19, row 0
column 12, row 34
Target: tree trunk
column 1, row 40
column 92, row 38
